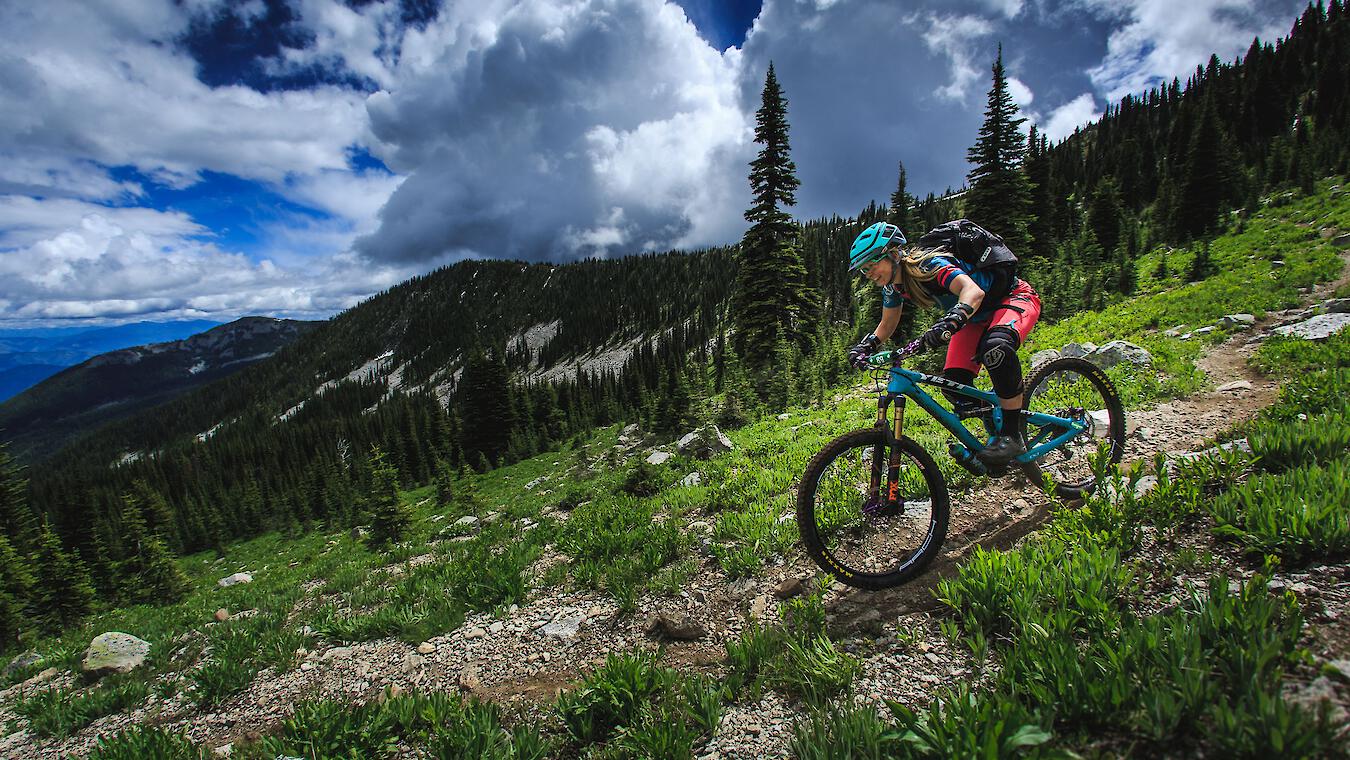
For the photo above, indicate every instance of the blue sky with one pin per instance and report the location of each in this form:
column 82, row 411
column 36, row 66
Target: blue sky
column 212, row 159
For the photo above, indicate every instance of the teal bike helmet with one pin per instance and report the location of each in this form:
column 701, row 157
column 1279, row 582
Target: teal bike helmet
column 871, row 245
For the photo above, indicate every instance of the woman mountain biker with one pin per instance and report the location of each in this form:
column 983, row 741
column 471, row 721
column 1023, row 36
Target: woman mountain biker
column 989, row 312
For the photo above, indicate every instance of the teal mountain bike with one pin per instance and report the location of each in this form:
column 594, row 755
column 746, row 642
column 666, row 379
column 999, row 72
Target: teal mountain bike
column 872, row 506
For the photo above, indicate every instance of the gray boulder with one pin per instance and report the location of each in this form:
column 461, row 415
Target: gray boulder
column 1237, row 320
column 704, row 443
column 1335, row 306
column 1319, row 327
column 1078, row 349
column 25, row 660
column 1044, row 357
column 1118, row 351
column 235, row 579
column 659, row 457
column 564, row 625
column 114, row 652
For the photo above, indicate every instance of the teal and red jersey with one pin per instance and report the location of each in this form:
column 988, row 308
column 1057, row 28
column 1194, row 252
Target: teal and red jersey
column 996, row 282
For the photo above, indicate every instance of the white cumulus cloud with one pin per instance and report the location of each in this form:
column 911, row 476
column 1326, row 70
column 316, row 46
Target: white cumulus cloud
column 1068, row 117
column 1162, row 39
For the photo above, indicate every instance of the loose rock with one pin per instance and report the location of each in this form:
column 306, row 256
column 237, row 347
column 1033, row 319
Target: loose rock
column 788, row 588
column 1319, row 327
column 114, row 652
column 25, row 660
column 664, row 626
column 235, row 579
column 1118, row 351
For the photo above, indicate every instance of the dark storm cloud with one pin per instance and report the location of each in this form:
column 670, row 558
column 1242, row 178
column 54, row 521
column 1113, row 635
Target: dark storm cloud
column 558, row 133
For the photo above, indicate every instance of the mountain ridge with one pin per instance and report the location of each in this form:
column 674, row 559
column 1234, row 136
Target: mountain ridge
column 115, row 384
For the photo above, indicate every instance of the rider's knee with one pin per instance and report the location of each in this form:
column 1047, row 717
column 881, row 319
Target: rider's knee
column 998, row 354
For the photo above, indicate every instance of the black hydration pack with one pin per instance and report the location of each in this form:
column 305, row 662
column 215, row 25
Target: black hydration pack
column 970, row 243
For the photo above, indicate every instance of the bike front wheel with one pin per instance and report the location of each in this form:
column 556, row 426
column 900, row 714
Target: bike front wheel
column 1074, row 389
column 850, row 527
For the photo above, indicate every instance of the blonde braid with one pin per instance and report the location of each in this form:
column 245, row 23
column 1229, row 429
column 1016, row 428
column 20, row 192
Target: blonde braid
column 913, row 274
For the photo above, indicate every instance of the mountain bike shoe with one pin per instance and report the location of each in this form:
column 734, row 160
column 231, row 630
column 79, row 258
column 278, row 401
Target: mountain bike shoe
column 1002, row 450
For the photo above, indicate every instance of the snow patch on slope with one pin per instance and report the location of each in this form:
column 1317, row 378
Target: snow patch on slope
column 201, row 437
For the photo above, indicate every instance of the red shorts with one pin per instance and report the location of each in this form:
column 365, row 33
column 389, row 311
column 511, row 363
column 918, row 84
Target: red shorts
column 1020, row 310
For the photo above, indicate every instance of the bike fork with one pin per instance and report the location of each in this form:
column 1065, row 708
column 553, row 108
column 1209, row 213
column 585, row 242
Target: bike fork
column 893, row 466
column 891, row 498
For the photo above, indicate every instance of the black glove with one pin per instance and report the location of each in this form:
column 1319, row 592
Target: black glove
column 942, row 331
column 859, row 354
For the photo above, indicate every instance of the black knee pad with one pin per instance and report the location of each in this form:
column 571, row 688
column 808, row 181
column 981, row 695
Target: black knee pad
column 958, row 375
column 998, row 353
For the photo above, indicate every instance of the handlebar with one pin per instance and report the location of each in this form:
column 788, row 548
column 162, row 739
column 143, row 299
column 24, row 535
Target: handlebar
column 893, row 358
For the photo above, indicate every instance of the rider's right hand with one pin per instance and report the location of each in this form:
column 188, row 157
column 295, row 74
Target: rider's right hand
column 859, row 354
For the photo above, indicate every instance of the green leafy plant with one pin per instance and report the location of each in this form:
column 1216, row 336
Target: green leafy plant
column 641, row 709
column 62, row 712
column 1298, row 515
column 147, row 743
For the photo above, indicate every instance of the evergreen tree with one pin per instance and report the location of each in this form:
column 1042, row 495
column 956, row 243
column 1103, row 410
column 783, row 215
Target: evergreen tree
column 62, row 593
column 900, row 213
column 1200, row 267
column 1104, row 215
column 390, row 517
column 146, row 571
column 16, row 583
column 159, row 516
column 466, row 488
column 771, row 297
column 445, row 483
column 999, row 198
column 16, row 519
column 485, row 401
column 1209, row 178
column 1041, row 228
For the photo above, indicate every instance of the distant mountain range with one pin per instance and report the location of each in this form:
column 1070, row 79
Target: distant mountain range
column 116, row 384
column 29, row 356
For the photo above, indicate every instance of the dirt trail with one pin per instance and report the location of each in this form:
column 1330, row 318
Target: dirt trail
column 515, row 661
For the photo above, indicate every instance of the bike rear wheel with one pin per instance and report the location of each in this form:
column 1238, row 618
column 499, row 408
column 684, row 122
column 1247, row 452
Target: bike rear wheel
column 849, row 529
column 1076, row 389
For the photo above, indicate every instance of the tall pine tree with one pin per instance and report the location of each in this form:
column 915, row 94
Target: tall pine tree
column 16, row 583
column 999, row 198
column 900, row 213
column 62, row 593
column 16, row 519
column 485, row 400
column 771, row 297
column 147, row 571
column 390, row 517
